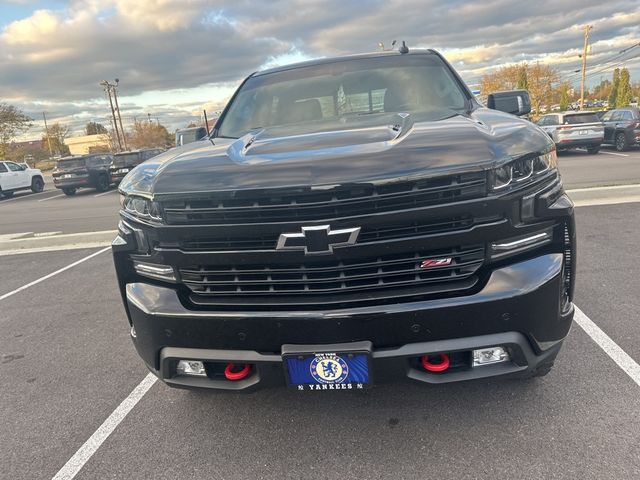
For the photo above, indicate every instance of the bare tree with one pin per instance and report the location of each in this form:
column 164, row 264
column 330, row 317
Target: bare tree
column 57, row 134
column 541, row 82
column 148, row 135
column 13, row 122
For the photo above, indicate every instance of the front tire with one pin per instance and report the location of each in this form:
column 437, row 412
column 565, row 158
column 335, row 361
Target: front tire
column 593, row 150
column 69, row 191
column 7, row 194
column 103, row 184
column 37, row 185
column 622, row 145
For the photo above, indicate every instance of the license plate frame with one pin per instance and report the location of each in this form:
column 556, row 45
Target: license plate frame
column 305, row 366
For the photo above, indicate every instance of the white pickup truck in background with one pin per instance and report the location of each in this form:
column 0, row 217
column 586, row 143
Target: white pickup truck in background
column 14, row 177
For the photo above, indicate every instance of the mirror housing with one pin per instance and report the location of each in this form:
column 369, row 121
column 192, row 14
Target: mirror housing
column 516, row 102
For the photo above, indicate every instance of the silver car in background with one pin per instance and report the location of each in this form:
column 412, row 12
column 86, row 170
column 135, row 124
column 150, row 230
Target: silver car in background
column 574, row 130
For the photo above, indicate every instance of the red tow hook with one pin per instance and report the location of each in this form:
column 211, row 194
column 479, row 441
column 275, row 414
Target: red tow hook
column 435, row 367
column 233, row 376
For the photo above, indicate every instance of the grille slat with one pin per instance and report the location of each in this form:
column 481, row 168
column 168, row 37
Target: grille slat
column 312, row 204
column 369, row 275
column 367, row 235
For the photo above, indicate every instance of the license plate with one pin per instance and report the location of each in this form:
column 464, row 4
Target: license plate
column 124, row 170
column 328, row 370
column 583, row 132
column 67, row 176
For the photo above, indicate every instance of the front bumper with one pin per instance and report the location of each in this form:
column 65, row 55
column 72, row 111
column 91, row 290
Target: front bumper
column 563, row 144
column 116, row 176
column 71, row 182
column 519, row 308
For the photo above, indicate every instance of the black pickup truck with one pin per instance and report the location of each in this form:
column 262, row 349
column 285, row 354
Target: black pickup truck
column 124, row 162
column 84, row 171
column 350, row 221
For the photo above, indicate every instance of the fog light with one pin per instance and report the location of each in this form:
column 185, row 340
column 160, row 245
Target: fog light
column 194, row 368
column 487, row 356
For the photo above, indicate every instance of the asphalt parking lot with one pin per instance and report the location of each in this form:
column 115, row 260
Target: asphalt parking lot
column 67, row 364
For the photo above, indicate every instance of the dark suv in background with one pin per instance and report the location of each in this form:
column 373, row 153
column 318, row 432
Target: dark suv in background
column 123, row 162
column 86, row 171
column 622, row 127
column 350, row 220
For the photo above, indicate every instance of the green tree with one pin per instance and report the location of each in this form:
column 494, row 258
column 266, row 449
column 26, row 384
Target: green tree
column 94, row 128
column 13, row 122
column 564, row 96
column 624, row 89
column 613, row 96
column 523, row 82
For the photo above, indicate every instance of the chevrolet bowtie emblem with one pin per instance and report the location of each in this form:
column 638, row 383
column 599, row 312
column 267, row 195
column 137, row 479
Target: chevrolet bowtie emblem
column 318, row 240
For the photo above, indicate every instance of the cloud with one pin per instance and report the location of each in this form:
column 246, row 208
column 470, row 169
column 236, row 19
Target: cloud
column 174, row 56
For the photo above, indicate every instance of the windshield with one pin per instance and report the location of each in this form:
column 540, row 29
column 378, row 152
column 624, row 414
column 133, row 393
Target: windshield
column 323, row 95
column 68, row 163
column 126, row 159
column 581, row 118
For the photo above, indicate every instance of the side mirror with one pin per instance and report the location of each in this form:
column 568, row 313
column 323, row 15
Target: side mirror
column 516, row 102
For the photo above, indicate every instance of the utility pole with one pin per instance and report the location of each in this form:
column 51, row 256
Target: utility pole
column 46, row 129
column 107, row 89
column 587, row 29
column 115, row 96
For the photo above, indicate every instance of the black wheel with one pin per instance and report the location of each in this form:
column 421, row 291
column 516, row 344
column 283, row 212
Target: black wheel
column 69, row 191
column 593, row 150
column 621, row 142
column 103, row 183
column 37, row 185
column 7, row 194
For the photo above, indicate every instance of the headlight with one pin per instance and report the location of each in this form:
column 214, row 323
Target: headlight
column 141, row 207
column 523, row 169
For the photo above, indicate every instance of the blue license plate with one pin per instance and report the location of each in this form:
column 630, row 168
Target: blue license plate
column 328, row 371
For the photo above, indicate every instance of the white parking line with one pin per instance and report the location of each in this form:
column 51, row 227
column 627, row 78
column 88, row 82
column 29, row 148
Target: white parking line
column 611, row 348
column 52, row 274
column 105, row 193
column 86, row 451
column 597, row 189
column 614, row 153
column 91, row 446
column 49, row 198
column 29, row 195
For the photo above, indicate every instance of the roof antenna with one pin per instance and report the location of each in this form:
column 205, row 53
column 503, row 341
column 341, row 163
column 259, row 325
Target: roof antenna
column 403, row 49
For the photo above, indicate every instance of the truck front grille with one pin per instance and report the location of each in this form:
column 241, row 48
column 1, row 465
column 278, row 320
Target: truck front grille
column 369, row 234
column 360, row 279
column 313, row 203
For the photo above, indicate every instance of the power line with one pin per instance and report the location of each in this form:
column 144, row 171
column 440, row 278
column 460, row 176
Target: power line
column 604, row 64
column 608, row 67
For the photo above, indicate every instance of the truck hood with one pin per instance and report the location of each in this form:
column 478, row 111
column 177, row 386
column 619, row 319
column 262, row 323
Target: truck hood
column 385, row 147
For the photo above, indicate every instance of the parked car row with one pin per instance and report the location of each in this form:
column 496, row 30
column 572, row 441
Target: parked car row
column 590, row 130
column 98, row 171
column 15, row 177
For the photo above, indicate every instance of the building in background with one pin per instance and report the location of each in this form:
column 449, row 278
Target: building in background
column 88, row 144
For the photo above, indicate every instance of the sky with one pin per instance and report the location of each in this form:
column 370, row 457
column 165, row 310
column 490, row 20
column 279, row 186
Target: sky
column 176, row 57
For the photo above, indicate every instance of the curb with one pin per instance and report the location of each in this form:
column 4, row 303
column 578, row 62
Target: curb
column 612, row 195
column 56, row 242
